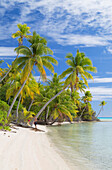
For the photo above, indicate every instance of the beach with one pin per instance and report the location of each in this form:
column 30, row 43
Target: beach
column 25, row 149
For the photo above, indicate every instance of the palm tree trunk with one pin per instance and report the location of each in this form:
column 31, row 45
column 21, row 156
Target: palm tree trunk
column 5, row 75
column 42, row 109
column 8, row 101
column 46, row 115
column 18, row 108
column 30, row 105
column 99, row 111
column 8, row 71
column 17, row 96
column 82, row 113
column 53, row 121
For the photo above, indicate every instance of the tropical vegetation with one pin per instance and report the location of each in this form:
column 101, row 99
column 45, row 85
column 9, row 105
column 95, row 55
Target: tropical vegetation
column 63, row 97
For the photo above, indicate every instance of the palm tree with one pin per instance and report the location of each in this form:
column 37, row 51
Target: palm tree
column 87, row 98
column 29, row 89
column 103, row 103
column 22, row 33
column 79, row 66
column 36, row 55
column 61, row 107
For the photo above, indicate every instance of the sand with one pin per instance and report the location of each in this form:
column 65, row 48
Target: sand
column 29, row 150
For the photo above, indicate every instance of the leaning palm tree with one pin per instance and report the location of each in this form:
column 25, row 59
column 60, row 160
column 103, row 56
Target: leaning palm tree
column 22, row 33
column 36, row 55
column 103, row 103
column 79, row 65
column 29, row 89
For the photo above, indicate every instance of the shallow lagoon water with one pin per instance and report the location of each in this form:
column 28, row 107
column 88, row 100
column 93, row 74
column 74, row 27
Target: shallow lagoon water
column 86, row 145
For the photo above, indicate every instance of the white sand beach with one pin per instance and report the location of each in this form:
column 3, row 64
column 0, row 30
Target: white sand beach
column 29, row 150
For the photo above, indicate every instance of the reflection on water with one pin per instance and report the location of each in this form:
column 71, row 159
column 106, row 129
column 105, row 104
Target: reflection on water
column 88, row 144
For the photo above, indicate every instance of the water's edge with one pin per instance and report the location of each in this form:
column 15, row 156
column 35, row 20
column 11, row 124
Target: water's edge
column 83, row 144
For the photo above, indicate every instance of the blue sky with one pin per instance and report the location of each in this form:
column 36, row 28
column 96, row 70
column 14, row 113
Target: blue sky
column 67, row 25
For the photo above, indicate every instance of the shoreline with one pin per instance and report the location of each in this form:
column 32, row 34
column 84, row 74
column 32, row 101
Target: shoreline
column 25, row 149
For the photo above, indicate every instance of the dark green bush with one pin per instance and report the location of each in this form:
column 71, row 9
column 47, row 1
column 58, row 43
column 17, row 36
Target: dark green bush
column 4, row 106
column 4, row 124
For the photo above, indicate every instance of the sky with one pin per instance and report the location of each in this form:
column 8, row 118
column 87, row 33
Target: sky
column 67, row 25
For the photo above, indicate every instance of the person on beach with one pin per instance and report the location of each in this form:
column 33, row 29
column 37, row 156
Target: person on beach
column 35, row 122
column 28, row 123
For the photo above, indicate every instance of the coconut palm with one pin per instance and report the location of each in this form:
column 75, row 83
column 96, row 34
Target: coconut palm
column 103, row 103
column 87, row 98
column 30, row 88
column 61, row 107
column 79, row 66
column 52, row 87
column 22, row 33
column 36, row 55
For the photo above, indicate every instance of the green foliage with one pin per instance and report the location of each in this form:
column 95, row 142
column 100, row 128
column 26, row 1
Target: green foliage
column 4, row 106
column 23, row 31
column 68, row 105
column 3, row 90
column 4, row 124
column 79, row 65
column 25, row 115
column 103, row 103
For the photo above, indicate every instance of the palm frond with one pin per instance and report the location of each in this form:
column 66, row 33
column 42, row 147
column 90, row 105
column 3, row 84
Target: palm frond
column 51, row 59
column 55, row 113
column 70, row 63
column 89, row 68
column 23, row 50
column 85, row 81
column 68, row 80
column 64, row 110
column 70, row 56
column 86, row 61
column 66, row 72
column 48, row 65
column 20, row 60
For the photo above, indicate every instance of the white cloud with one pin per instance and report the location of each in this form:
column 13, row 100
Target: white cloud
column 7, row 51
column 6, row 58
column 62, row 20
column 101, row 90
column 78, row 39
column 109, row 49
column 100, row 80
column 101, row 98
column 101, row 93
column 108, row 72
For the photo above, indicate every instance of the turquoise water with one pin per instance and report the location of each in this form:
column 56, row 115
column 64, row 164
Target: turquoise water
column 86, row 144
column 103, row 118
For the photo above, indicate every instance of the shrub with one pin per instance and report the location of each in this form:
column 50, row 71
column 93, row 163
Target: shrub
column 4, row 107
column 4, row 124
